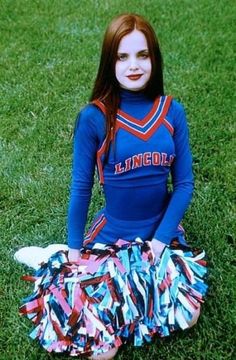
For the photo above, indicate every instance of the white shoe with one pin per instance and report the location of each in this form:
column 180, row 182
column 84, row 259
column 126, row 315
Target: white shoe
column 33, row 256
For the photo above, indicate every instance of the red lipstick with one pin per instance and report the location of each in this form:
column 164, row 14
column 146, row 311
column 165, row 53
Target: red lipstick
column 135, row 77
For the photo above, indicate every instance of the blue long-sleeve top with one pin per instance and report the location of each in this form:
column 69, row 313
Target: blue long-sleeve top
column 151, row 141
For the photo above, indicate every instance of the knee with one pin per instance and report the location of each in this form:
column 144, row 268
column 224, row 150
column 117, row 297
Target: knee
column 108, row 355
column 195, row 317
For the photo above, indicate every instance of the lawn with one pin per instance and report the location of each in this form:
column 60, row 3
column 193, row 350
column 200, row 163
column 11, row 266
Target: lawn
column 49, row 57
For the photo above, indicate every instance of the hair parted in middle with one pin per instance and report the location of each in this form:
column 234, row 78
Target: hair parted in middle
column 106, row 87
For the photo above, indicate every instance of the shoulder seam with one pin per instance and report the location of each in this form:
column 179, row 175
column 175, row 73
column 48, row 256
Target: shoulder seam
column 100, row 105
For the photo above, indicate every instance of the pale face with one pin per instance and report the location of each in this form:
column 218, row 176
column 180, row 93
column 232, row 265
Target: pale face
column 133, row 65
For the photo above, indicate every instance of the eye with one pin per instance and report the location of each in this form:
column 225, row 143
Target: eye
column 143, row 55
column 122, row 57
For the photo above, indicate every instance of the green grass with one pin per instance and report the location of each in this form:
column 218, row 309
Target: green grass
column 49, row 57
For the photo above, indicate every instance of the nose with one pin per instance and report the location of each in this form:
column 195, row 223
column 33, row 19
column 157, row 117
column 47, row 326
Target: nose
column 133, row 64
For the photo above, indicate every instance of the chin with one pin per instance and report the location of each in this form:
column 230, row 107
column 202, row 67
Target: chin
column 134, row 88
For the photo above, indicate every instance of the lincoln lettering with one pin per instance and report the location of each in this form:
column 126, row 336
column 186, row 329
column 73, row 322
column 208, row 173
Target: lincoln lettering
column 144, row 159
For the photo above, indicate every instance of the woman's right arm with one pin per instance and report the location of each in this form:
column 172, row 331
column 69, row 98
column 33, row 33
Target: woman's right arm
column 87, row 137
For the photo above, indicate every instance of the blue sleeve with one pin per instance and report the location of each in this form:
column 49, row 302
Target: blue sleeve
column 182, row 178
column 89, row 129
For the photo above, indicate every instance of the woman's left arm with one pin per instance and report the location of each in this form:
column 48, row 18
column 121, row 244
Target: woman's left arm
column 182, row 179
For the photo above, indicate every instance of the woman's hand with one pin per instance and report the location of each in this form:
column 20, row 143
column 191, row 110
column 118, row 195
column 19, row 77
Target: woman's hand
column 157, row 248
column 73, row 255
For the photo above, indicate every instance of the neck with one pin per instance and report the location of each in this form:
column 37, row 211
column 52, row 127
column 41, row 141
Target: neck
column 135, row 103
column 132, row 96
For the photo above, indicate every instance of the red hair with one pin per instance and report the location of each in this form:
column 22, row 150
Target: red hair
column 106, row 87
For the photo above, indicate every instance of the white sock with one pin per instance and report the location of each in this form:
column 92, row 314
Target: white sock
column 33, row 256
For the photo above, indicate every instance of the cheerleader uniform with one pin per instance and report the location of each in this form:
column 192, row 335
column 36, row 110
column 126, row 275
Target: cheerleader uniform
column 115, row 293
column 151, row 140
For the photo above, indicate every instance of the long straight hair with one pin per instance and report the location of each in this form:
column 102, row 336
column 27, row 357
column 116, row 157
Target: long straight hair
column 106, row 87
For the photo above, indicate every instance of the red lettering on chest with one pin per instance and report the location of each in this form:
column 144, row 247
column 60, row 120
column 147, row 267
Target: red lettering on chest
column 119, row 169
column 128, row 164
column 146, row 159
column 137, row 161
column 156, row 158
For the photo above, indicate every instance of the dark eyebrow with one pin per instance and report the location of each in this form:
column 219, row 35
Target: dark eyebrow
column 140, row 52
column 143, row 51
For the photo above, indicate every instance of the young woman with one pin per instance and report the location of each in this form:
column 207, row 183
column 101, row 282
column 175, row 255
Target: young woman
column 132, row 275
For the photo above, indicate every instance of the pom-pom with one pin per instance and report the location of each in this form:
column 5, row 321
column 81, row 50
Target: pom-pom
column 114, row 294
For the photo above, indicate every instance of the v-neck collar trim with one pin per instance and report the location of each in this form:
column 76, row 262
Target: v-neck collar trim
column 146, row 119
column 145, row 128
